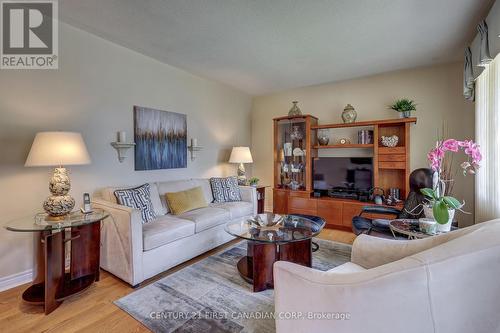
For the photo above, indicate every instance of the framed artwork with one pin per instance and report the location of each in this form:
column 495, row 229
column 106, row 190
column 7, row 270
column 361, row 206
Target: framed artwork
column 160, row 139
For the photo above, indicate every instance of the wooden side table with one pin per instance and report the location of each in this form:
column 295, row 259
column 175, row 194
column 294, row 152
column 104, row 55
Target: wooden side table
column 52, row 284
column 261, row 198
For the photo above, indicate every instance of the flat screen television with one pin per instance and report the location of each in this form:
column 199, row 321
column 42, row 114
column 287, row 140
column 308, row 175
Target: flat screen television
column 355, row 173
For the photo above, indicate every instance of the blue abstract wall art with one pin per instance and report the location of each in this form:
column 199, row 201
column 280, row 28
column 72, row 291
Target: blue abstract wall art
column 160, row 139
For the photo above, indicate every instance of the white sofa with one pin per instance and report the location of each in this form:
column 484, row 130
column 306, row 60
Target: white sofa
column 135, row 252
column 443, row 284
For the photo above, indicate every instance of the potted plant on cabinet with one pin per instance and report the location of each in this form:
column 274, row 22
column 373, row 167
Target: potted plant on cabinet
column 441, row 206
column 404, row 106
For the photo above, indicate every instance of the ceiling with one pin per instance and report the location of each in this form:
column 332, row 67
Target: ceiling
column 263, row 46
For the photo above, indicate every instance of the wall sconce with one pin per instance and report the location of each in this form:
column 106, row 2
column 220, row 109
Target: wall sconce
column 122, row 146
column 193, row 148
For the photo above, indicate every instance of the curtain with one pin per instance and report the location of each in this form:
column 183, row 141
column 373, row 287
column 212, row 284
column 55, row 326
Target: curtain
column 488, row 137
column 468, row 76
column 484, row 49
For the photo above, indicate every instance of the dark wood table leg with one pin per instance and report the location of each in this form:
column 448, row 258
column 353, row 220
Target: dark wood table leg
column 48, row 282
column 297, row 252
column 257, row 266
column 264, row 256
column 54, row 270
column 85, row 247
column 85, row 259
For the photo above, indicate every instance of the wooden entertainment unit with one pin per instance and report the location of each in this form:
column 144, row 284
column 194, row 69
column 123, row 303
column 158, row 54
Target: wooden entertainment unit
column 293, row 188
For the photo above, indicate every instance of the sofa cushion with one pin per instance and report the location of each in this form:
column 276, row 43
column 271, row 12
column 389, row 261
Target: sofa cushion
column 184, row 201
column 206, row 218
column 173, row 186
column 165, row 229
column 108, row 194
column 138, row 198
column 207, row 189
column 236, row 209
column 346, row 268
column 225, row 189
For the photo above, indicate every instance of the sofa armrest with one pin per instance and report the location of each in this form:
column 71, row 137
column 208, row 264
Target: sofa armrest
column 121, row 241
column 249, row 194
column 308, row 300
column 369, row 251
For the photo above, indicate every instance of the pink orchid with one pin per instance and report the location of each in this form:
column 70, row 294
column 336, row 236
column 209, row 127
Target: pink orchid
column 450, row 145
column 470, row 148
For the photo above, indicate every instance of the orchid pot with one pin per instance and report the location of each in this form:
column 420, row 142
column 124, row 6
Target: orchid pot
column 440, row 227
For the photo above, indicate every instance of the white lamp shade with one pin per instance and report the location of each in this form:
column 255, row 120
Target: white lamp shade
column 240, row 155
column 58, row 149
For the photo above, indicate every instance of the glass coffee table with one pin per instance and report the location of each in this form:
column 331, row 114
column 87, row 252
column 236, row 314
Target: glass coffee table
column 271, row 238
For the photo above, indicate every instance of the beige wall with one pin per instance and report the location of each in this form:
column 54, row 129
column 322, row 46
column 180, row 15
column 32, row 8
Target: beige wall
column 437, row 90
column 93, row 92
column 98, row 83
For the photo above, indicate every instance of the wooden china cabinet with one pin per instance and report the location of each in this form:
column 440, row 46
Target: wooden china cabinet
column 296, row 147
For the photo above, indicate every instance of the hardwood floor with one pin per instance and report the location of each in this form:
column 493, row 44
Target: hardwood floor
column 93, row 310
column 338, row 236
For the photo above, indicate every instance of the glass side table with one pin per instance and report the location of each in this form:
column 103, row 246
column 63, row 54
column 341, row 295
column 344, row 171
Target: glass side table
column 52, row 284
column 410, row 228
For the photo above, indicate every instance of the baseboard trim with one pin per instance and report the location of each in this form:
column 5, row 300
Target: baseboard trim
column 14, row 280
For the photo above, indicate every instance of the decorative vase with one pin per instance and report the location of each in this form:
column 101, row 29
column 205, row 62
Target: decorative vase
column 404, row 114
column 365, row 137
column 427, row 225
column 323, row 138
column 295, row 110
column 349, row 114
column 287, row 149
column 440, row 227
column 389, row 141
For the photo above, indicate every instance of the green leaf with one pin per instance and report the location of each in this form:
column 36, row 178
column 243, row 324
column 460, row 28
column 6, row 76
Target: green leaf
column 452, row 202
column 440, row 211
column 428, row 192
column 404, row 104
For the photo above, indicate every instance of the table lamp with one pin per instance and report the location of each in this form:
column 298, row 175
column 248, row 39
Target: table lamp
column 241, row 155
column 58, row 149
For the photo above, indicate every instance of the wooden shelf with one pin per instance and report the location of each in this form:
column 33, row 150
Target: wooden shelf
column 367, row 123
column 350, row 145
column 391, row 168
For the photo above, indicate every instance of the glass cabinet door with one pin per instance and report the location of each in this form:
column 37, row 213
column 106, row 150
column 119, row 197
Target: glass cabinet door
column 292, row 153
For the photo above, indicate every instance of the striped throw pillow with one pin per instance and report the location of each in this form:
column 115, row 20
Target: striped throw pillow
column 225, row 189
column 137, row 198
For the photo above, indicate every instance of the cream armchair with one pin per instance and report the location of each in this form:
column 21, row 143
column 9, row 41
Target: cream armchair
column 445, row 284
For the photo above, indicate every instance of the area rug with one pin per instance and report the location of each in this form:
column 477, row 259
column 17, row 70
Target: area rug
column 210, row 295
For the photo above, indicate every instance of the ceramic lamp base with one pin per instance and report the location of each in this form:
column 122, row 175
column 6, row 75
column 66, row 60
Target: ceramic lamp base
column 242, row 178
column 59, row 203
